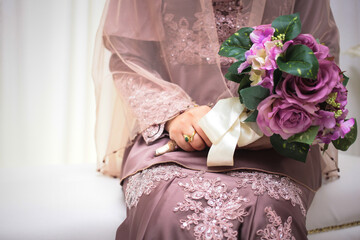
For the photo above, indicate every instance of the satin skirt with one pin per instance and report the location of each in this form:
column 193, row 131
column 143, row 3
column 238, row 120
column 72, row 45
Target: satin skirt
column 168, row 201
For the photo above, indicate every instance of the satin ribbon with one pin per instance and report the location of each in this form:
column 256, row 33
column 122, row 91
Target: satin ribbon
column 225, row 127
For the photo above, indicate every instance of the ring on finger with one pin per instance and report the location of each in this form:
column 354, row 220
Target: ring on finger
column 189, row 138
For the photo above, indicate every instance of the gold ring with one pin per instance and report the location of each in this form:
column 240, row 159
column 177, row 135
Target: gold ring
column 189, row 138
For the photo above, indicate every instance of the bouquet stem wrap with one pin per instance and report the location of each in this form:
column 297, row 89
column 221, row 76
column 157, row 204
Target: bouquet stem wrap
column 225, row 127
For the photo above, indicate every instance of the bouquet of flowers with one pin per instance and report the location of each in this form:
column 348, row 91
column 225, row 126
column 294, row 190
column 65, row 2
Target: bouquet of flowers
column 290, row 87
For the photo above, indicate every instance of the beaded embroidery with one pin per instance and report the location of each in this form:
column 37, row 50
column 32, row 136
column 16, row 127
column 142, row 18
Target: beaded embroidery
column 188, row 42
column 145, row 181
column 213, row 220
column 276, row 229
column 274, row 185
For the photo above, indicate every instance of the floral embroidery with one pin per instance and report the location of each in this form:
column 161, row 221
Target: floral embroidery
column 145, row 181
column 189, row 41
column 212, row 220
column 150, row 103
column 188, row 44
column 276, row 229
column 153, row 132
column 274, row 185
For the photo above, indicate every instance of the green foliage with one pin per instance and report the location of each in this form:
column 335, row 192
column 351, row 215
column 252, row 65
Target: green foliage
column 237, row 44
column 252, row 96
column 344, row 143
column 252, row 117
column 294, row 150
column 299, row 60
column 307, row 137
column 289, row 25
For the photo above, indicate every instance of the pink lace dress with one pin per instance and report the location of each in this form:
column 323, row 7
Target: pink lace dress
column 176, row 196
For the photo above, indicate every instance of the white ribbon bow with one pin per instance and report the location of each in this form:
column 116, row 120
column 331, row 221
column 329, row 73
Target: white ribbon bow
column 225, row 127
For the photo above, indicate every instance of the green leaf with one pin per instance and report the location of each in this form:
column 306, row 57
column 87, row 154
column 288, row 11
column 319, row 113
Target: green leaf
column 234, row 77
column 252, row 117
column 277, row 76
column 252, row 96
column 299, row 60
column 242, row 78
column 326, row 146
column 307, row 137
column 289, row 25
column 294, row 150
column 237, row 44
column 346, row 80
column 245, row 82
column 234, row 67
column 344, row 143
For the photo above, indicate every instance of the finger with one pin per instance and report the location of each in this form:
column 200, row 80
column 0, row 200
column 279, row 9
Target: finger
column 180, row 141
column 197, row 143
column 202, row 134
column 178, row 137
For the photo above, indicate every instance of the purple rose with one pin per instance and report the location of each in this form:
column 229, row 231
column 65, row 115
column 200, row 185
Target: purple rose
column 302, row 90
column 262, row 33
column 276, row 115
column 320, row 51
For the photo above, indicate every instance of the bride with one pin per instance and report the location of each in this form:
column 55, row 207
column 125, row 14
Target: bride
column 156, row 73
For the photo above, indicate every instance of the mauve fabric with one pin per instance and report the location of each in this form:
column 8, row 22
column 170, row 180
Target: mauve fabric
column 141, row 156
column 154, row 217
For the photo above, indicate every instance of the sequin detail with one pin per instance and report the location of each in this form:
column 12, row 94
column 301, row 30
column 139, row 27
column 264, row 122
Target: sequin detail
column 145, row 181
column 276, row 229
column 274, row 185
column 213, row 208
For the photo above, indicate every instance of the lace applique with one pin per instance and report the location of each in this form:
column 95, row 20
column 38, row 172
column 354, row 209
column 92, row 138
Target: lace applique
column 145, row 181
column 274, row 185
column 276, row 229
column 150, row 103
column 189, row 43
column 153, row 132
column 212, row 220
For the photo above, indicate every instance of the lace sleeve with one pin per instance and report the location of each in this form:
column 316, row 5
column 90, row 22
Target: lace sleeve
column 151, row 102
column 152, row 105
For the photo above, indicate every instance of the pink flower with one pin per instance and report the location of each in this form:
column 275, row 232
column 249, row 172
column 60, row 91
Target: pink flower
column 262, row 33
column 342, row 128
column 276, row 115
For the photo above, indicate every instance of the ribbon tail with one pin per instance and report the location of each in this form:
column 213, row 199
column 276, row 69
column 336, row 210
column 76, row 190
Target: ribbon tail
column 222, row 153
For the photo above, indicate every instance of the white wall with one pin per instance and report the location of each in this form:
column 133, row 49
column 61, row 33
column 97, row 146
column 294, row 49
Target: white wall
column 346, row 13
column 46, row 94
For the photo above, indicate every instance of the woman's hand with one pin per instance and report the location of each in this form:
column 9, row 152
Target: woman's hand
column 185, row 124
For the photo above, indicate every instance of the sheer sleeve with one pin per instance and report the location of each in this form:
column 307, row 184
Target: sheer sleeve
column 134, row 91
column 152, row 103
